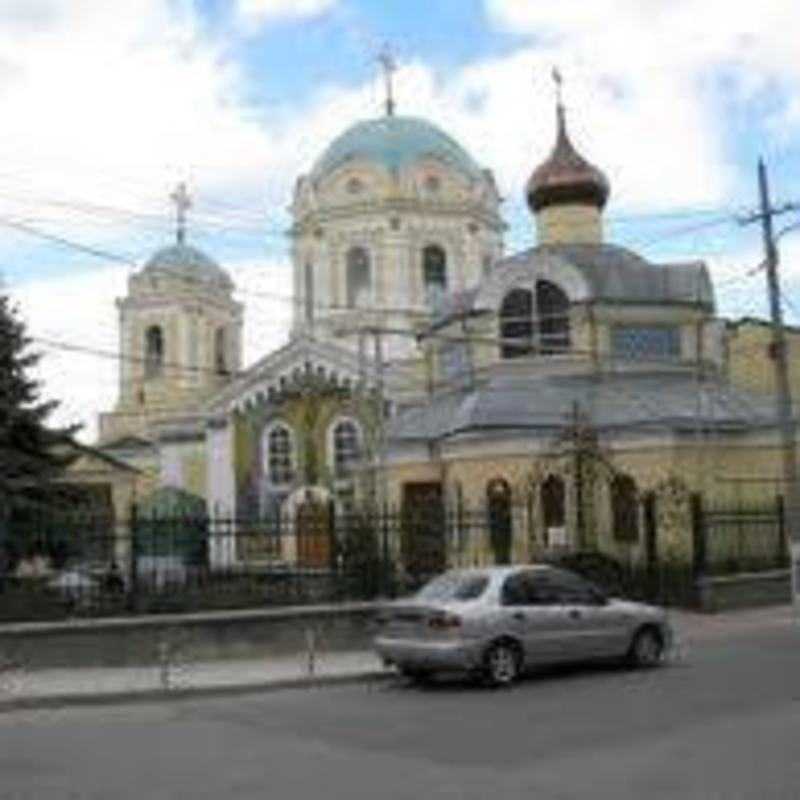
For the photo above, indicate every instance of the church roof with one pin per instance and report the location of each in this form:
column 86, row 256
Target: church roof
column 540, row 404
column 394, row 142
column 188, row 262
column 613, row 274
column 616, row 274
column 566, row 176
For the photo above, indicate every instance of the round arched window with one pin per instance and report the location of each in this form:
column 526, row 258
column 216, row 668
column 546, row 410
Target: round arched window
column 434, row 273
column 154, row 352
column 346, row 447
column 359, row 279
column 280, row 455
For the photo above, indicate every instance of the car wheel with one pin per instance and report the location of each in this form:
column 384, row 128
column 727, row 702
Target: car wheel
column 646, row 649
column 501, row 664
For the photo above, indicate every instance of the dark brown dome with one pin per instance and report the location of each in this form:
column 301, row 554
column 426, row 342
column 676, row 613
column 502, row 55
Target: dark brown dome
column 566, row 176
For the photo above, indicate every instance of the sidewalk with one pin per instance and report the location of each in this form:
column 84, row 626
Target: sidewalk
column 93, row 685
column 175, row 678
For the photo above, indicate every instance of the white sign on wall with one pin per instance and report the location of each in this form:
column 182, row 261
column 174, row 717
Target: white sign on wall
column 557, row 537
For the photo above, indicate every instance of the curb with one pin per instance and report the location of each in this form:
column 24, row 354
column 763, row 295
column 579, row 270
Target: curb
column 180, row 694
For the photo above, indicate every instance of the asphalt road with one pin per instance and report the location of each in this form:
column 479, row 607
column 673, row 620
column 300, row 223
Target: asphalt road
column 724, row 723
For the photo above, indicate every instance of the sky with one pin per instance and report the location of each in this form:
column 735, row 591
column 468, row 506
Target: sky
column 107, row 106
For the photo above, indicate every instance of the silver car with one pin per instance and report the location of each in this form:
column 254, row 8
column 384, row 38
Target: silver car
column 498, row 621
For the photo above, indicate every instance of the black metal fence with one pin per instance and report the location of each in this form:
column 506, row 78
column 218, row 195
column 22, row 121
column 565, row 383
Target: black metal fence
column 746, row 538
column 54, row 565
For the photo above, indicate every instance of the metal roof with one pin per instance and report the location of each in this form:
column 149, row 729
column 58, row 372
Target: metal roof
column 655, row 401
column 186, row 261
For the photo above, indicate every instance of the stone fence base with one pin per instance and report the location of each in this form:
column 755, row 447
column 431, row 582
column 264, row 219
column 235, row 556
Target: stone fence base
column 745, row 590
column 144, row 641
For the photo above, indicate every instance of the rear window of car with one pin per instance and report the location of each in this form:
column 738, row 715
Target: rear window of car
column 451, row 586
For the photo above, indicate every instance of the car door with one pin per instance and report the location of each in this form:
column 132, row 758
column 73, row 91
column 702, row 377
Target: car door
column 593, row 627
column 535, row 617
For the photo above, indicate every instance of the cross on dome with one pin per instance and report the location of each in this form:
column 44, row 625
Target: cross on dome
column 183, row 202
column 389, row 65
column 559, row 81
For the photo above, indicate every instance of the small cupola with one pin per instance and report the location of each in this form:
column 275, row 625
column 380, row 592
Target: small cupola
column 566, row 193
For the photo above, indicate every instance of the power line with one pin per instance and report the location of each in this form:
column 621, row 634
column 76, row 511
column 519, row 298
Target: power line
column 94, row 251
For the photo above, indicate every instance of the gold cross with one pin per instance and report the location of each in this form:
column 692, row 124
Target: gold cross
column 182, row 204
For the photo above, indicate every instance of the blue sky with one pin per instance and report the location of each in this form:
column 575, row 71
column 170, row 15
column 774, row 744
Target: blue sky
column 107, row 106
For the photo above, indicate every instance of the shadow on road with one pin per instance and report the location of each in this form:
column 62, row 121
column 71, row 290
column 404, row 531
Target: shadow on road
column 455, row 683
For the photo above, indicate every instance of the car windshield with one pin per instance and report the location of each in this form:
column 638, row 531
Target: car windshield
column 455, row 586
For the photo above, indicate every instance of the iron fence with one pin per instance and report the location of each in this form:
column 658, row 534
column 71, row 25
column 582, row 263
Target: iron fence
column 743, row 539
column 59, row 564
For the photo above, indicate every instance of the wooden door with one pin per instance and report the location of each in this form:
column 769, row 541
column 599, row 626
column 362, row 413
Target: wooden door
column 313, row 529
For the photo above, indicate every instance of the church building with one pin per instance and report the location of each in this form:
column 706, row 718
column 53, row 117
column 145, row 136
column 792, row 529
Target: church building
column 574, row 394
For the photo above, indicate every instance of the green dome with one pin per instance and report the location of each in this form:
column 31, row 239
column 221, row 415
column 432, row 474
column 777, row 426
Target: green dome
column 394, row 142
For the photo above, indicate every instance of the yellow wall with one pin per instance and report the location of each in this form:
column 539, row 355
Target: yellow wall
column 749, row 365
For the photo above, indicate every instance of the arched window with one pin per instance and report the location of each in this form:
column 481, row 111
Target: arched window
column 154, row 352
column 359, row 280
column 280, row 455
column 220, row 352
column 498, row 501
column 434, row 273
column 553, row 509
column 516, row 324
column 553, row 494
column 552, row 311
column 624, row 509
column 346, row 447
column 308, row 275
column 537, row 324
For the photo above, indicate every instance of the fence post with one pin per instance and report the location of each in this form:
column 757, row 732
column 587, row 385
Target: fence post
column 385, row 555
column 699, row 546
column 5, row 517
column 133, row 592
column 783, row 545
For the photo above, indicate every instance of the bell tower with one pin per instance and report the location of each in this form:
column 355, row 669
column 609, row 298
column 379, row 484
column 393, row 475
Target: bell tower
column 180, row 335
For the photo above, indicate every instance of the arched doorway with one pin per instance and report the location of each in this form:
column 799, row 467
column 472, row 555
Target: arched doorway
column 314, row 532
column 498, row 502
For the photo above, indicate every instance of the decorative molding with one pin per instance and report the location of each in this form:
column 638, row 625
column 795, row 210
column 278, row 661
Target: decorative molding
column 524, row 274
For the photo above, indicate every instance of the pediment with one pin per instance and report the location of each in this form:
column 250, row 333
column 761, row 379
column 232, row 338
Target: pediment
column 302, row 362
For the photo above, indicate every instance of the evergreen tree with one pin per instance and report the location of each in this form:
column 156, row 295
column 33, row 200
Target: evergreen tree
column 31, row 453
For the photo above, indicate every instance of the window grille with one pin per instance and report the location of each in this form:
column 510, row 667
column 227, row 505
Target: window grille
column 346, row 448
column 636, row 342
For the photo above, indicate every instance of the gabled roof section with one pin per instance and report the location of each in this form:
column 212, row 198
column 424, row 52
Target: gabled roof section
column 277, row 368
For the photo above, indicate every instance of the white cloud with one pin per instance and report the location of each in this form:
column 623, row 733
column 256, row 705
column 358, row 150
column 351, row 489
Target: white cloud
column 256, row 13
column 648, row 83
column 113, row 103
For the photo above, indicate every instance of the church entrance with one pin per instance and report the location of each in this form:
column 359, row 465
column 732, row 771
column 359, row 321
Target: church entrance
column 314, row 531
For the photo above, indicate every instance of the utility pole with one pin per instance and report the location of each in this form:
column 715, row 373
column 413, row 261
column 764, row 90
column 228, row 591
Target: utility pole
column 779, row 354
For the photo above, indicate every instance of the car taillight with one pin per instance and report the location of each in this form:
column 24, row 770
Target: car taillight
column 445, row 621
